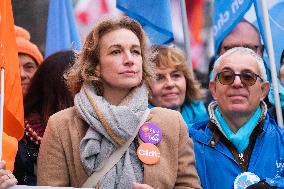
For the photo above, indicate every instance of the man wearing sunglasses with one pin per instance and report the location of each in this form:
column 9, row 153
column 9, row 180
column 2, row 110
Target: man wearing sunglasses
column 244, row 34
column 240, row 136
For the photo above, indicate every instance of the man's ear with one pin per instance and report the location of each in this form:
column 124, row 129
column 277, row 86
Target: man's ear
column 212, row 87
column 261, row 50
column 264, row 89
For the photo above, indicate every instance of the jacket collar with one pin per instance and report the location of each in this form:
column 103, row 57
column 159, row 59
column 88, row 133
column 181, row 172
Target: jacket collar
column 202, row 133
column 213, row 119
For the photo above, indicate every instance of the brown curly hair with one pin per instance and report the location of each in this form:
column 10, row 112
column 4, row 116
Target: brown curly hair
column 170, row 57
column 85, row 67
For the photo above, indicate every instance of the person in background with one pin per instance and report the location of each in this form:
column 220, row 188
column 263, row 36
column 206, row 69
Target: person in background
column 240, row 136
column 6, row 177
column 110, row 102
column 47, row 95
column 272, row 110
column 282, row 67
column 29, row 56
column 9, row 144
column 175, row 87
column 244, row 34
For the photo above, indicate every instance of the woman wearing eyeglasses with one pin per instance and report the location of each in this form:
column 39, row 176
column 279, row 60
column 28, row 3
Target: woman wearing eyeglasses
column 175, row 87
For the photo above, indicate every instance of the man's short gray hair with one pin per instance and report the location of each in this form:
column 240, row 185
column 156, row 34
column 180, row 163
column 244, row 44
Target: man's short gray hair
column 242, row 51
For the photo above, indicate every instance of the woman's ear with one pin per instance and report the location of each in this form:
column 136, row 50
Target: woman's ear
column 98, row 71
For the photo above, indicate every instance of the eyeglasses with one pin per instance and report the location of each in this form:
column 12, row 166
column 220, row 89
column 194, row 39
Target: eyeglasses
column 252, row 47
column 227, row 77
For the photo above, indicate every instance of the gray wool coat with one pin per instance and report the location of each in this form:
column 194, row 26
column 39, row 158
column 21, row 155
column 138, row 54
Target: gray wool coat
column 59, row 161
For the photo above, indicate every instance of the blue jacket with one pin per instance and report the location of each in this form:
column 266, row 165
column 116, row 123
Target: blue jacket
column 217, row 167
column 191, row 112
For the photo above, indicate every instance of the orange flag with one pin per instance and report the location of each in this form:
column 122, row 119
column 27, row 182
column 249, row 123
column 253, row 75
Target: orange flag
column 10, row 148
column 13, row 103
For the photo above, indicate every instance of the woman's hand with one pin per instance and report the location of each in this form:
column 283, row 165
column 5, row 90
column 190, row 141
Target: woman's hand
column 6, row 177
column 136, row 185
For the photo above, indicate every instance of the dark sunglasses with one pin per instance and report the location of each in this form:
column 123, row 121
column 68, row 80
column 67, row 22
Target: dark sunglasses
column 227, row 77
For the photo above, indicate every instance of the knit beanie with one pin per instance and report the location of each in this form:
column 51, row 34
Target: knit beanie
column 22, row 32
column 25, row 46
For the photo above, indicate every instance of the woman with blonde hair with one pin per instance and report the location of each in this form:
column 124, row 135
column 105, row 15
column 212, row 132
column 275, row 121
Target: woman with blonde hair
column 96, row 143
column 175, row 87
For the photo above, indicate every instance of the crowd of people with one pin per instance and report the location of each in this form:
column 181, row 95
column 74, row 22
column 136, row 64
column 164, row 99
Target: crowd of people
column 124, row 114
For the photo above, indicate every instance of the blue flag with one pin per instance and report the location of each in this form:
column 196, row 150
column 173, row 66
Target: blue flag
column 153, row 15
column 227, row 15
column 276, row 20
column 62, row 33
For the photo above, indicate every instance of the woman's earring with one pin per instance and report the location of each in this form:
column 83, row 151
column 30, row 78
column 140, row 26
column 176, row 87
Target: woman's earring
column 98, row 71
column 150, row 95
